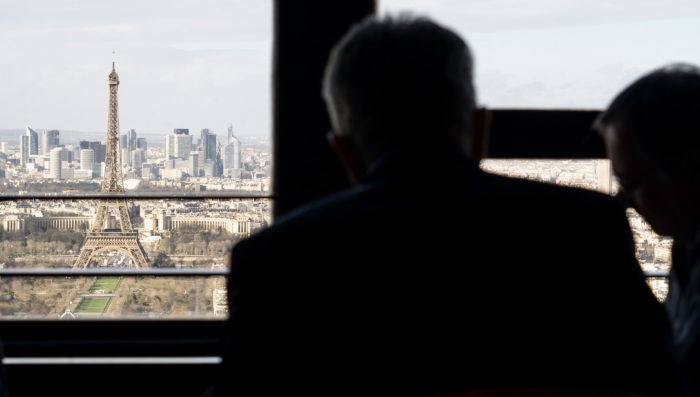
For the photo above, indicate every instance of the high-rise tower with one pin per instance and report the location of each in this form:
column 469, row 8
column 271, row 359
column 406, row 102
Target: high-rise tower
column 49, row 140
column 33, row 141
column 232, row 153
column 112, row 230
column 24, row 150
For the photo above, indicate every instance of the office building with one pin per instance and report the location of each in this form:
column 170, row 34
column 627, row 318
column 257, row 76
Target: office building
column 33, row 141
column 49, row 140
column 178, row 146
column 24, row 144
column 87, row 159
column 55, row 162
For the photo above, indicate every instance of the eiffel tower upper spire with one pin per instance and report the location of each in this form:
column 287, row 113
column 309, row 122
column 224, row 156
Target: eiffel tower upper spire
column 113, row 77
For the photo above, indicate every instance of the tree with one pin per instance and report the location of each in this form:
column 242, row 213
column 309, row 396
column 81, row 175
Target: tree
column 162, row 260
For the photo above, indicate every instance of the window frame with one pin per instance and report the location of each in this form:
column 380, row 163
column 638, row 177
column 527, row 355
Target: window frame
column 304, row 168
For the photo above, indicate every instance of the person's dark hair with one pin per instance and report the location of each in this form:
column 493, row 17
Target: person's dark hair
column 398, row 80
column 662, row 109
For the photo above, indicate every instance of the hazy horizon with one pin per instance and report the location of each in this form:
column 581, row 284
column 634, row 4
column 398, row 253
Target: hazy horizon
column 73, row 137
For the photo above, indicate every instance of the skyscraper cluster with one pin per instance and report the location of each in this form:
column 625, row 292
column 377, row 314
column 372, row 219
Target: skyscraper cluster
column 201, row 158
column 133, row 150
column 41, row 155
column 35, row 146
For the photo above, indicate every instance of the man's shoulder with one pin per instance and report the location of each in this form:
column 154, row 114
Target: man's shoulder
column 323, row 211
column 546, row 194
column 490, row 193
column 496, row 197
column 317, row 215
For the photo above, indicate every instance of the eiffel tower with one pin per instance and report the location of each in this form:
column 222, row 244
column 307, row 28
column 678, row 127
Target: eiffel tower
column 103, row 235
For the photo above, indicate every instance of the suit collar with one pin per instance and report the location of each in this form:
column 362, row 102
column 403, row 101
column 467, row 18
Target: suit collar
column 416, row 161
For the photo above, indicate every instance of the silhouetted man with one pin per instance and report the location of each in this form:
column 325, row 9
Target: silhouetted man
column 431, row 275
column 652, row 133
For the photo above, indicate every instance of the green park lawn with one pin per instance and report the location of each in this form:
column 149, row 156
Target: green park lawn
column 93, row 305
column 108, row 284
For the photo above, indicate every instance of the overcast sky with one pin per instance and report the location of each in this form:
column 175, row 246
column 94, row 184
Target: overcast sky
column 207, row 63
column 182, row 64
column 565, row 53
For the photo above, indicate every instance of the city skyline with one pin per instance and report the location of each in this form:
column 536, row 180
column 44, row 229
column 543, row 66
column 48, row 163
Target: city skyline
column 73, row 137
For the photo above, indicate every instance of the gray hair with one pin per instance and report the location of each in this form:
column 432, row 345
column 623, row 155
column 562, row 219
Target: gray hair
column 399, row 80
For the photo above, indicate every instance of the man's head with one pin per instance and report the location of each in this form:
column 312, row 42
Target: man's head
column 652, row 134
column 398, row 81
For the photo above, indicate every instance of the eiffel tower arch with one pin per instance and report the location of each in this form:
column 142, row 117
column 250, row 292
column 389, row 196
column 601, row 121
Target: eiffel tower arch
column 112, row 229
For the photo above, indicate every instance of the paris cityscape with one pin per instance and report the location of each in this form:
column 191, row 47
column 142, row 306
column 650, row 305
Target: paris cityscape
column 221, row 187
column 195, row 231
column 199, row 236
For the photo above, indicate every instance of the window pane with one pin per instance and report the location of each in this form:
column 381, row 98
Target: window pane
column 59, row 236
column 120, row 297
column 164, row 103
column 653, row 251
column 190, row 113
column 567, row 54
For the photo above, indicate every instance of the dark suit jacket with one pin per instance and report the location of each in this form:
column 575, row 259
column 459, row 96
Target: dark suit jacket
column 683, row 307
column 434, row 275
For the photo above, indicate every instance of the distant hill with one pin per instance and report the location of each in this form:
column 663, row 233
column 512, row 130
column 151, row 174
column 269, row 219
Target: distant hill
column 72, row 137
column 10, row 136
column 67, row 137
